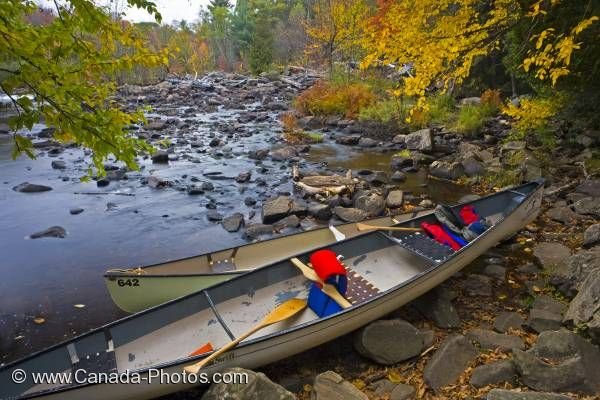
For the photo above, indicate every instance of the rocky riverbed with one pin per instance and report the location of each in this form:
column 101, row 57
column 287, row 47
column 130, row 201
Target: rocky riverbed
column 223, row 175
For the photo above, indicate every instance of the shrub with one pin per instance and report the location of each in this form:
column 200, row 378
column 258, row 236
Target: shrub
column 301, row 137
column 471, row 118
column 440, row 108
column 384, row 111
column 289, row 122
column 533, row 116
column 491, row 98
column 327, row 99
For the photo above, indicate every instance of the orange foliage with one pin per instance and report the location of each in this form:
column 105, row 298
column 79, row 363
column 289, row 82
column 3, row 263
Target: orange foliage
column 327, row 99
column 491, row 97
column 289, row 122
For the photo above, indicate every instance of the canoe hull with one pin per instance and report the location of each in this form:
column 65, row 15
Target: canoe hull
column 274, row 348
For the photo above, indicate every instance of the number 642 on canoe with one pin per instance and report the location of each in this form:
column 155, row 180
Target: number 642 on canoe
column 128, row 282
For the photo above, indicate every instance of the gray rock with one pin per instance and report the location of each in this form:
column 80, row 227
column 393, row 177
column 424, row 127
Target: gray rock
column 379, row 342
column 255, row 231
column 214, row 215
column 398, row 176
column 399, row 139
column 470, row 101
column 498, row 272
column 194, row 190
column 403, row 392
column 276, row 209
column 348, row 140
column 350, row 214
column 208, row 186
column 331, row 386
column 156, row 125
column 58, row 164
column 436, row 305
column 490, row 340
column 243, row 177
column 543, row 320
column 449, row 361
column 371, row 203
column 249, row 201
column 507, row 320
column 575, row 270
column 588, row 206
column 259, row 154
column 562, row 214
column 477, row 285
column 320, row 211
column 446, row 170
column 560, row 361
column 233, row 222
column 494, row 373
column 284, row 153
column 291, row 221
column 473, row 167
column 589, row 187
column 421, row 140
column 157, row 182
column 398, row 162
column 382, row 387
column 591, row 236
column 258, row 387
column 428, row 336
column 27, row 187
column 545, row 302
column 367, row 142
column 75, row 210
column 395, row 198
column 160, row 157
column 549, row 255
column 503, row 394
column 52, row 232
column 584, row 309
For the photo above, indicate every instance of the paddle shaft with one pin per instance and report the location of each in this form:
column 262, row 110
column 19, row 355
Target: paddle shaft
column 366, row 227
column 328, row 289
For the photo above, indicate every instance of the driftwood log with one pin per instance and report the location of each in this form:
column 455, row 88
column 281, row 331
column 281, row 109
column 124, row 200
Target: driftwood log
column 323, row 184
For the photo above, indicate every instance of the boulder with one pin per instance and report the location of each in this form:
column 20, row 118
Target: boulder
column 473, row 167
column 320, row 211
column 27, row 187
column 52, row 232
column 394, row 199
column 233, row 222
column 449, row 170
column 494, row 373
column 291, row 221
column 347, row 140
column 214, row 216
column 398, row 176
column 243, row 177
column 560, row 361
column 436, row 305
column 371, row 203
column 284, row 153
column 157, row 182
column 257, row 387
column 503, row 394
column 584, row 309
column 276, row 209
column 398, row 162
column 477, row 285
column 379, row 341
column 588, row 206
column 507, row 320
column 331, row 386
column 449, row 361
column 470, row 101
column 58, row 164
column 543, row 320
column 550, row 255
column 590, row 187
column 575, row 270
column 495, row 271
column 399, row 139
column 591, row 236
column 562, row 214
column 255, row 231
column 490, row 340
column 160, row 157
column 350, row 214
column 367, row 142
column 421, row 140
column 403, row 392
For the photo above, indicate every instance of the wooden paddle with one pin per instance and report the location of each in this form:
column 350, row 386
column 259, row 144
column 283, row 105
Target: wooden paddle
column 327, row 288
column 366, row 227
column 282, row 312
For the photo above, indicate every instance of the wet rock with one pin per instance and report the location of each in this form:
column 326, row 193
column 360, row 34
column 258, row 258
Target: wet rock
column 446, row 170
column 395, row 198
column 350, row 214
column 331, row 386
column 214, row 216
column 194, row 190
column 233, row 222
column 371, row 203
column 347, row 140
column 507, row 320
column 291, row 221
column 27, row 187
column 421, row 140
column 160, row 157
column 276, row 209
column 503, row 394
column 477, row 285
column 320, row 211
column 379, row 342
column 591, row 236
column 258, row 387
column 207, row 186
column 403, row 392
column 249, row 201
column 588, row 206
column 216, row 142
column 58, row 164
column 549, row 255
column 102, row 182
column 157, row 182
column 52, row 232
column 494, row 373
column 260, row 154
column 156, row 125
column 398, row 162
column 490, row 340
column 398, row 176
column 243, row 177
column 367, row 142
column 255, row 231
column 560, row 361
column 584, row 309
column 75, row 210
column 284, row 153
column 449, row 361
column 436, row 305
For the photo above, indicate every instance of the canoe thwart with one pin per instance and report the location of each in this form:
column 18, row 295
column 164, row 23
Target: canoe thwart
column 367, row 227
column 328, row 289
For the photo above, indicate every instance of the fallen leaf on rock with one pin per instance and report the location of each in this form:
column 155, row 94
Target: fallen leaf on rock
column 39, row 320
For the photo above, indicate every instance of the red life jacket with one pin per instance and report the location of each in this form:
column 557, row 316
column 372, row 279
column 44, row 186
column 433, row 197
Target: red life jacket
column 438, row 233
column 468, row 215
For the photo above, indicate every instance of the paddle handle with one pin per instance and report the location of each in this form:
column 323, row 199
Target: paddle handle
column 365, row 227
column 328, row 289
column 194, row 368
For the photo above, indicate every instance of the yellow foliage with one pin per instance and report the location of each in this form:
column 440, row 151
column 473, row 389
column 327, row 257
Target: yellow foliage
column 533, row 115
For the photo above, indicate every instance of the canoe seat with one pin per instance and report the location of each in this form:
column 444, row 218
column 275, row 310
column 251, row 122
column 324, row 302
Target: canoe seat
column 422, row 245
column 359, row 289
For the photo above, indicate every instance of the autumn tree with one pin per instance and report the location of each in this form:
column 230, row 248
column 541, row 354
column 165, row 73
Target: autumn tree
column 64, row 65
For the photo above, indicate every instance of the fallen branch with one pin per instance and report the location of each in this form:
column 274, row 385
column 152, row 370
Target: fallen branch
column 115, row 193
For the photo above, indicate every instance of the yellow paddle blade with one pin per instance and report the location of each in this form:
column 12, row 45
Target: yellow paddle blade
column 308, row 272
column 285, row 310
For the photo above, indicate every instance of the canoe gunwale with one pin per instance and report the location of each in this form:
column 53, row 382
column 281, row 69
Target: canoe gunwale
column 357, row 308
